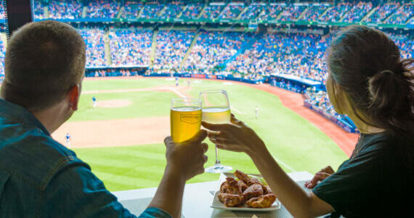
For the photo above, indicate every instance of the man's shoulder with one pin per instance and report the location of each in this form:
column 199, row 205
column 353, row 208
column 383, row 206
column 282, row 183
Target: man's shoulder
column 34, row 157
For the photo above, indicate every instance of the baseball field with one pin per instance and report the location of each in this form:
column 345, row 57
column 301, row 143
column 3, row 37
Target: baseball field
column 122, row 136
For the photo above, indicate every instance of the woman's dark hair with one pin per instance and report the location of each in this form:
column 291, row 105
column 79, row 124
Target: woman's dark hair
column 367, row 65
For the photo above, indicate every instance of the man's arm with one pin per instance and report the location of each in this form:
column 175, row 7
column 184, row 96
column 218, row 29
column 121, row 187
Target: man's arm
column 184, row 161
column 169, row 194
column 76, row 192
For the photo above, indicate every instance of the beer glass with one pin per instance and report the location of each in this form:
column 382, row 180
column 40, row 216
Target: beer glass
column 215, row 109
column 185, row 118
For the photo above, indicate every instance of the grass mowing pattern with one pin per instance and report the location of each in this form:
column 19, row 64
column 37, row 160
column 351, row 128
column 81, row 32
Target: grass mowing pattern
column 296, row 143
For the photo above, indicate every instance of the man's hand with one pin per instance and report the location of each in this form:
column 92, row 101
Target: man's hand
column 187, row 158
column 235, row 136
column 319, row 176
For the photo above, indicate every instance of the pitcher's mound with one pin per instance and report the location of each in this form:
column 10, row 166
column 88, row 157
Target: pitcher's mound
column 113, row 103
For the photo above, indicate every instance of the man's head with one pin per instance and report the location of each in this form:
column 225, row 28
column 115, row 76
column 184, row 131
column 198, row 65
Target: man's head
column 44, row 62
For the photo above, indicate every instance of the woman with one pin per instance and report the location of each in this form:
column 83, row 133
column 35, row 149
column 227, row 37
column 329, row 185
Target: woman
column 371, row 84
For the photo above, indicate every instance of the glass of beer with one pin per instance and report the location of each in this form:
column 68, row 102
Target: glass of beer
column 215, row 107
column 185, row 118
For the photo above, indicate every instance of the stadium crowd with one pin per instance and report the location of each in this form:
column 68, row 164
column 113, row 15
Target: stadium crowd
column 102, row 9
column 392, row 12
column 251, row 56
column 320, row 100
column 213, row 49
column 95, row 46
column 130, row 46
column 65, row 9
column 171, row 48
column 192, row 11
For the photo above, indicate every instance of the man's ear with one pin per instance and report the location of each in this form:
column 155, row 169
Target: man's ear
column 73, row 97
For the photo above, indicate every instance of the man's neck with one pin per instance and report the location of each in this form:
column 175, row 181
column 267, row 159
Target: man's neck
column 53, row 117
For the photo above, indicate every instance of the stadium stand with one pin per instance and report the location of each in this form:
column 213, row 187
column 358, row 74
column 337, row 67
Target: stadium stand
column 151, row 10
column 2, row 53
column 103, row 9
column 171, row 11
column 212, row 11
column 382, row 12
column 95, row 46
column 171, row 48
column 271, row 12
column 192, row 11
column 314, row 12
column 232, row 11
column 65, row 9
column 253, row 11
column 357, row 12
column 292, row 12
column 213, row 49
column 130, row 46
column 286, row 48
column 336, row 13
column 38, row 10
column 402, row 15
column 132, row 9
column 2, row 11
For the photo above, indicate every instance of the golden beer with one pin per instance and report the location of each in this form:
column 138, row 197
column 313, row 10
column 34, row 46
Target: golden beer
column 216, row 115
column 185, row 122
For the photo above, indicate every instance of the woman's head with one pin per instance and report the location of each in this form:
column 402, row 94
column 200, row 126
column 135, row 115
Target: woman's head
column 375, row 84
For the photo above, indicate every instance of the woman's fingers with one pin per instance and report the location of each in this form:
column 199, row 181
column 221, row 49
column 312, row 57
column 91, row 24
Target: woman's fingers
column 328, row 169
column 215, row 127
column 235, row 121
column 319, row 176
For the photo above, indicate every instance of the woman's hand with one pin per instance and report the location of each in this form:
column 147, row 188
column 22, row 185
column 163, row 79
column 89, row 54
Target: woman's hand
column 235, row 136
column 319, row 176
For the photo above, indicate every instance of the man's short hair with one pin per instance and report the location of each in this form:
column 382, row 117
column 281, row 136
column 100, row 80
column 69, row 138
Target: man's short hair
column 44, row 60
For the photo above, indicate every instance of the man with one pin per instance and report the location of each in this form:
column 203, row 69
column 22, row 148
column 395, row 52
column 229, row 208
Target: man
column 44, row 67
column 93, row 101
column 67, row 137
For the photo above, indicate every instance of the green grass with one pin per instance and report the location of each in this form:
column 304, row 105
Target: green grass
column 296, row 143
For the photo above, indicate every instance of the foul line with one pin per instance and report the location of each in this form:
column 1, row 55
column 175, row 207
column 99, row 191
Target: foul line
column 235, row 109
column 177, row 92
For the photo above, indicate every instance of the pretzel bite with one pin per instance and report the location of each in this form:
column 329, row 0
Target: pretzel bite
column 230, row 186
column 263, row 201
column 242, row 186
column 230, row 200
column 254, row 190
column 245, row 178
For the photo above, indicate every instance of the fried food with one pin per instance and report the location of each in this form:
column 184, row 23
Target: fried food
column 242, row 186
column 231, row 200
column 252, row 191
column 262, row 201
column 267, row 190
column 230, row 186
column 245, row 178
column 247, row 191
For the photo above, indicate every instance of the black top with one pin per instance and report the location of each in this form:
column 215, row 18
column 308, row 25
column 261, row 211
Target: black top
column 374, row 182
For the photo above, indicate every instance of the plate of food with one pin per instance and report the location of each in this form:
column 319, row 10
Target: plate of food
column 242, row 192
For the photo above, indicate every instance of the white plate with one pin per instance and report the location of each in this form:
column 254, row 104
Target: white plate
column 218, row 205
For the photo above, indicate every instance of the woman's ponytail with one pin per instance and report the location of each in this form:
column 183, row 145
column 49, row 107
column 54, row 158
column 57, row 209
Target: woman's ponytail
column 391, row 99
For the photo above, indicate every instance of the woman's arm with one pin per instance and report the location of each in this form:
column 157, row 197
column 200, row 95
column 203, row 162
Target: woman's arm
column 298, row 202
column 239, row 137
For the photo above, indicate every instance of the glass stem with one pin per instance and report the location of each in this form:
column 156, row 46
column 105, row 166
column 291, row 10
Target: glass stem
column 217, row 156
